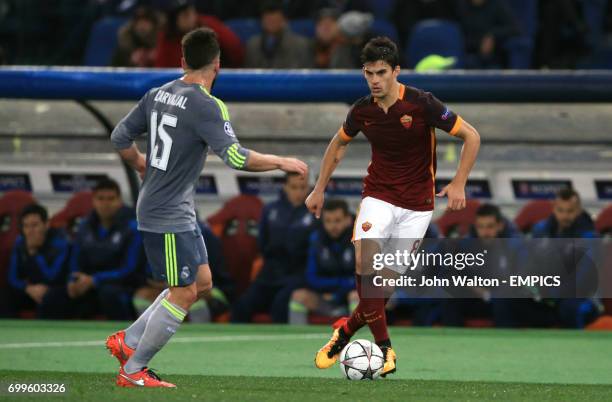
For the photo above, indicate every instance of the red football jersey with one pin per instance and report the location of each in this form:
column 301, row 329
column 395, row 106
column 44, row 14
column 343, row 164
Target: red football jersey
column 403, row 167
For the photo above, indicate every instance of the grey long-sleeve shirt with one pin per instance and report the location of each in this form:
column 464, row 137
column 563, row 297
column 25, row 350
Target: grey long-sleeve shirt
column 181, row 122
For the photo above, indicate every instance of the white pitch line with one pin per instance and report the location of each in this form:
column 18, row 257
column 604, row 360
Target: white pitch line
column 192, row 339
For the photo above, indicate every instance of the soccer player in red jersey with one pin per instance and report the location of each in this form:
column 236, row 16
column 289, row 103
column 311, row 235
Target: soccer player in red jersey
column 398, row 194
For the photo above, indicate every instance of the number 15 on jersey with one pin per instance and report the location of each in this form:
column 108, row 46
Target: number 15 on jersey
column 161, row 161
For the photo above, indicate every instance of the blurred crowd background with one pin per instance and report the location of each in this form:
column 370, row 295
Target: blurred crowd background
column 271, row 262
column 432, row 34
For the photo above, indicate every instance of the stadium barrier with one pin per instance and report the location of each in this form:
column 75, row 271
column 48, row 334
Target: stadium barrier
column 86, row 84
column 307, row 85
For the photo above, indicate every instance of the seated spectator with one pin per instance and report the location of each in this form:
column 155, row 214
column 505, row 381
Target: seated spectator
column 327, row 37
column 107, row 258
column 354, row 33
column 181, row 18
column 486, row 25
column 277, row 46
column 38, row 267
column 330, row 270
column 137, row 40
column 406, row 302
column 283, row 239
column 569, row 220
column 215, row 302
column 227, row 9
column 502, row 257
column 563, row 34
column 406, row 14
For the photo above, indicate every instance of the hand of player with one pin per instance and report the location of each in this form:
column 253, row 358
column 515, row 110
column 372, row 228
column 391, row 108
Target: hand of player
column 314, row 202
column 294, row 165
column 37, row 292
column 456, row 196
column 141, row 165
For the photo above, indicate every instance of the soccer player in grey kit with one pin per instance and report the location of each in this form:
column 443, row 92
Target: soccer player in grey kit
column 182, row 120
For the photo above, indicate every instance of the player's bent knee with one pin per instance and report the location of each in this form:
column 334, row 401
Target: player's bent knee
column 183, row 296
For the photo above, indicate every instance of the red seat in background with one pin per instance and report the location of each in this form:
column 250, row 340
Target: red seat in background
column 236, row 224
column 532, row 213
column 11, row 205
column 77, row 207
column 453, row 223
column 603, row 223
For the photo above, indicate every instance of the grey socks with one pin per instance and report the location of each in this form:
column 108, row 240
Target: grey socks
column 134, row 331
column 164, row 320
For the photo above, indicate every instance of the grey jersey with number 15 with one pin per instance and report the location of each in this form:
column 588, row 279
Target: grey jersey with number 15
column 181, row 122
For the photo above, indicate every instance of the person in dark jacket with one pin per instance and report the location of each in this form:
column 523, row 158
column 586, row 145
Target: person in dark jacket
column 570, row 221
column 107, row 259
column 277, row 46
column 136, row 40
column 486, row 24
column 38, row 267
column 284, row 230
column 495, row 233
column 182, row 17
column 330, row 270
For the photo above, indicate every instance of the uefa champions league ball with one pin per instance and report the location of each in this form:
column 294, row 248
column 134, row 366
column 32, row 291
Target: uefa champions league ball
column 361, row 360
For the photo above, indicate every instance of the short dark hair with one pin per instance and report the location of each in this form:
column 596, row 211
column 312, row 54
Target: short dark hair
column 200, row 48
column 107, row 184
column 271, row 6
column 334, row 204
column 489, row 210
column 33, row 209
column 567, row 193
column 380, row 48
column 289, row 175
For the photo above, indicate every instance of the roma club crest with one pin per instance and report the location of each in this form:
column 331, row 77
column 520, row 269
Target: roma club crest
column 366, row 226
column 406, row 121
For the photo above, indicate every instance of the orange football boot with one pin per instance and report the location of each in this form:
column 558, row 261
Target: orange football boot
column 328, row 354
column 117, row 347
column 144, row 378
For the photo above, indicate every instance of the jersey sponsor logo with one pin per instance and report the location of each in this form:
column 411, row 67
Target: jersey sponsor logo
column 227, row 127
column 366, row 226
column 446, row 114
column 406, row 121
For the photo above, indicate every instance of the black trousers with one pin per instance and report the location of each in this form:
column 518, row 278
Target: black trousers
column 55, row 304
column 111, row 300
column 266, row 297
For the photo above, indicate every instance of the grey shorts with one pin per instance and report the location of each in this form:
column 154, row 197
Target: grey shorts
column 175, row 257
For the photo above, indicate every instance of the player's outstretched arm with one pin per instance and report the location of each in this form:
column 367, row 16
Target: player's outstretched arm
column 455, row 190
column 333, row 155
column 264, row 162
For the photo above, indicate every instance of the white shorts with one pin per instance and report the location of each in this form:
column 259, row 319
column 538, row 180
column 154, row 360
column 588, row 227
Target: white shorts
column 393, row 227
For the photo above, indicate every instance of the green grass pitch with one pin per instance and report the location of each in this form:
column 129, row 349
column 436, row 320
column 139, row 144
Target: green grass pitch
column 275, row 363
